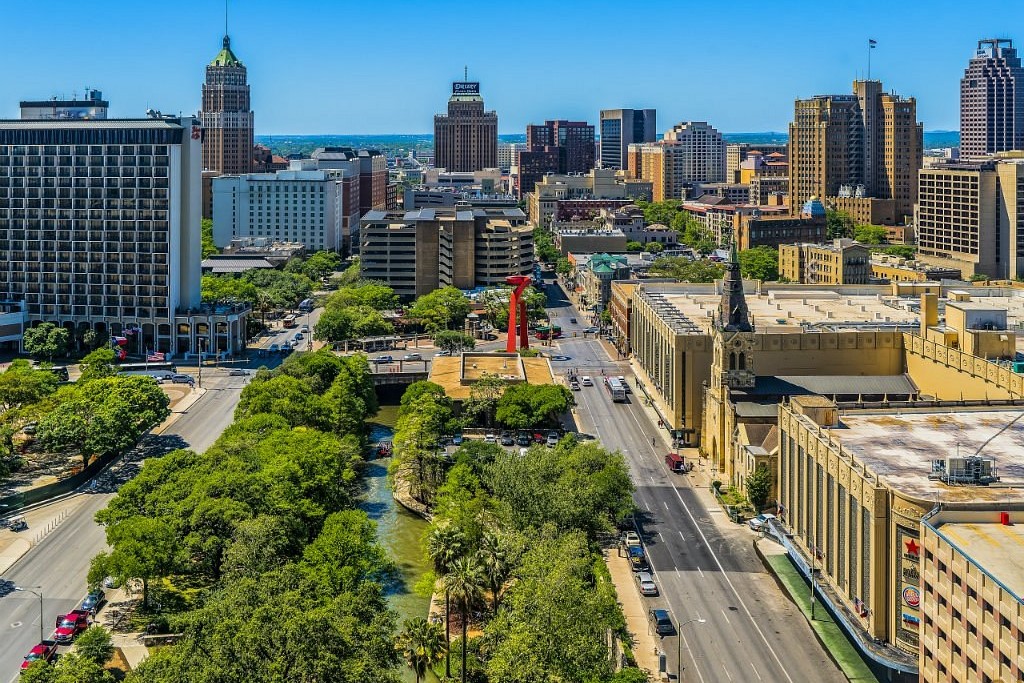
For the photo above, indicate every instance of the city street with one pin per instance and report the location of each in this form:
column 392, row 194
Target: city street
column 58, row 565
column 705, row 567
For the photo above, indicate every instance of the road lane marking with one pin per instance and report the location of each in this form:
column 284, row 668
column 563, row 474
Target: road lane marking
column 701, row 572
column 665, row 503
column 727, row 619
column 726, row 670
column 681, row 536
column 661, row 537
column 756, row 672
column 735, row 592
column 647, row 505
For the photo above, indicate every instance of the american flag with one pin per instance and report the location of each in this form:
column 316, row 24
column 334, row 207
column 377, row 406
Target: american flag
column 155, row 357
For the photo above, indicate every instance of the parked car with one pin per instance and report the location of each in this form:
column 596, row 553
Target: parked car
column 412, row 356
column 632, row 538
column 572, row 320
column 93, row 600
column 238, row 372
column 45, row 651
column 457, row 440
column 383, row 359
column 552, row 440
column 591, row 330
column 274, row 348
column 586, row 381
column 444, row 352
column 646, row 583
column 70, row 625
column 758, row 522
column 662, row 622
column 575, row 386
column 637, row 558
column 183, row 379
column 507, row 439
column 677, row 463
column 490, row 437
column 538, row 438
column 524, row 439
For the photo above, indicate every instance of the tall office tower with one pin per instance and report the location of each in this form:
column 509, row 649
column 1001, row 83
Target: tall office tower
column 691, row 152
column 621, row 128
column 992, row 100
column 554, row 147
column 100, row 230
column 466, row 138
column 866, row 146
column 226, row 117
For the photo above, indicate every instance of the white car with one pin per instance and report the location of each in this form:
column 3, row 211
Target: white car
column 758, row 522
column 491, row 437
column 646, row 583
column 586, row 381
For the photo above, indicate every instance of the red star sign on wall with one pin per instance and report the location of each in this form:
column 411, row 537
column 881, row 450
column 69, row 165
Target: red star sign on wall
column 912, row 547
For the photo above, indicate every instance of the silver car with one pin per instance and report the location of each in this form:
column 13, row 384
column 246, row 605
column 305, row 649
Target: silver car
column 646, row 583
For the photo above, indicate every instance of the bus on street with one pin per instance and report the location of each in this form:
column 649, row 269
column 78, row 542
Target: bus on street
column 289, row 321
column 616, row 389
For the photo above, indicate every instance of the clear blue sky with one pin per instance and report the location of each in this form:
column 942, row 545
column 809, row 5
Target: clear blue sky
column 384, row 66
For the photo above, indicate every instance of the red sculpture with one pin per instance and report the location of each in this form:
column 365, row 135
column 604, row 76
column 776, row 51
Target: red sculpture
column 520, row 282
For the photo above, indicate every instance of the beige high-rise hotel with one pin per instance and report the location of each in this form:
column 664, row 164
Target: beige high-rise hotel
column 466, row 138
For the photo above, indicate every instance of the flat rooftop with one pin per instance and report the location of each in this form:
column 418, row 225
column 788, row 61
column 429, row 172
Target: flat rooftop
column 457, row 374
column 900, row 448
column 785, row 310
column 994, row 547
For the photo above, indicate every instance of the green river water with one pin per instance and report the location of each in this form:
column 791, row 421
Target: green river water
column 399, row 531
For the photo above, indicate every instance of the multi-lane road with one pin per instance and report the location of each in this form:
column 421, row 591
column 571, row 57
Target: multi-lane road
column 58, row 565
column 705, row 570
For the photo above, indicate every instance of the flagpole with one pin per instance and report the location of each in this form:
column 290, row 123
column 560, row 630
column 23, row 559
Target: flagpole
column 869, row 59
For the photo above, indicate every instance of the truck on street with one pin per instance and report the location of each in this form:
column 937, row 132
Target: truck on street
column 70, row 625
column 45, row 651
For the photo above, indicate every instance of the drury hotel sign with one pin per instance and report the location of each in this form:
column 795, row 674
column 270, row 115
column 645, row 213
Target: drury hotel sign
column 465, row 88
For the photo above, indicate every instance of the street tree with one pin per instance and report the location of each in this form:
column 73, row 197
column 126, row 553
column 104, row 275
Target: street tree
column 465, row 583
column 445, row 544
column 759, row 484
column 422, row 645
column 21, row 385
column 98, row 364
column 760, row 263
column 453, row 341
column 525, row 406
column 46, row 341
column 442, row 309
column 483, row 398
column 95, row 645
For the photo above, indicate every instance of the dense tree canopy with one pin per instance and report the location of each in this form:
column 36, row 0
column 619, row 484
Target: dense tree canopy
column 525, row 406
column 442, row 309
column 544, row 245
column 46, row 340
column 21, row 384
column 686, row 270
column 759, row 263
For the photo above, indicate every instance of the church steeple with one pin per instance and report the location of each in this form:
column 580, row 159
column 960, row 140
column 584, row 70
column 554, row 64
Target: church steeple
column 733, row 314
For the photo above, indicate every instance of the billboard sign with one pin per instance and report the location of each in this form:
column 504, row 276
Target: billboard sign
column 465, row 88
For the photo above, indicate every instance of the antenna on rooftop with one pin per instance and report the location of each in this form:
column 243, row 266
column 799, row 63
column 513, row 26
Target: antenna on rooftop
column 465, row 73
column 225, row 17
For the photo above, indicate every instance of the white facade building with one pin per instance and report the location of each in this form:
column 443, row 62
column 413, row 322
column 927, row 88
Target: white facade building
column 298, row 205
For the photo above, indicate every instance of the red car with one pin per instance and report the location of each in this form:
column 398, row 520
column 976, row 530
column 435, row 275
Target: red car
column 538, row 438
column 44, row 651
column 70, row 625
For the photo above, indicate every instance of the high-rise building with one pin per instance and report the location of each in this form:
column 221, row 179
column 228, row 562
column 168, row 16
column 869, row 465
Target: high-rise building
column 554, row 147
column 507, row 152
column 971, row 216
column 738, row 152
column 466, row 138
column 226, row 117
column 100, row 230
column 866, row 145
column 91, row 106
column 415, row 252
column 691, row 152
column 992, row 100
column 621, row 128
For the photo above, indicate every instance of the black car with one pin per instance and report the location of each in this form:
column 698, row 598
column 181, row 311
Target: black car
column 93, row 600
column 507, row 439
column 524, row 439
column 572, row 320
column 662, row 622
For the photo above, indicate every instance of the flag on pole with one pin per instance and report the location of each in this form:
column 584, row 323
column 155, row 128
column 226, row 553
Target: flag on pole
column 872, row 43
column 155, row 357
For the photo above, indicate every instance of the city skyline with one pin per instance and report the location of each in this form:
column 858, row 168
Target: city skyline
column 412, row 78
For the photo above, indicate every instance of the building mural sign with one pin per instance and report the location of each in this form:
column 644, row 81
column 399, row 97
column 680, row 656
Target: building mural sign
column 465, row 88
column 908, row 594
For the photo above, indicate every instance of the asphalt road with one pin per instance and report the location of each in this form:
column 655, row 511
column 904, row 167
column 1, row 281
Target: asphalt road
column 58, row 566
column 751, row 631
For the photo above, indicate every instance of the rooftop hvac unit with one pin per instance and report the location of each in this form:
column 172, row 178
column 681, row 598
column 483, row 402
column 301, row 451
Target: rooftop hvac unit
column 964, row 470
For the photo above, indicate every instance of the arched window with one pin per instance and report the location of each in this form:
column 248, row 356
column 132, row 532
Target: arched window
column 732, row 361
column 743, row 361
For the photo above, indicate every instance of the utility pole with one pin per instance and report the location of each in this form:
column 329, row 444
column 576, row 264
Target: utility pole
column 200, row 373
column 40, row 596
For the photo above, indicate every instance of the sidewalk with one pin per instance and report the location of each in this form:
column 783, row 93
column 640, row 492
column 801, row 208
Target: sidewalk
column 828, row 632
column 645, row 644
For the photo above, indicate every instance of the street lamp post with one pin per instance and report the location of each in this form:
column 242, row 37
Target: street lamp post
column 40, row 596
column 679, row 645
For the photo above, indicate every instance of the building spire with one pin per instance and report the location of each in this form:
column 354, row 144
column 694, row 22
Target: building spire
column 733, row 314
column 465, row 73
column 226, row 39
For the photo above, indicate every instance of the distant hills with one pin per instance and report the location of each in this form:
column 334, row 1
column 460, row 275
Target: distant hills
column 402, row 144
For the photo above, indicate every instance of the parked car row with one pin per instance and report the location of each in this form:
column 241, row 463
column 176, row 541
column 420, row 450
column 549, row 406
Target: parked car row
column 67, row 627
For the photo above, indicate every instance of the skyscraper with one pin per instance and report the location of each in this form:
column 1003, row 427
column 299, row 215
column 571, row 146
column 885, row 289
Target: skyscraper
column 867, row 145
column 621, row 128
column 992, row 100
column 554, row 147
column 466, row 138
column 691, row 152
column 226, row 117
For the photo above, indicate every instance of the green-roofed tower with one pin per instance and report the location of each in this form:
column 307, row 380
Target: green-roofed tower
column 226, row 115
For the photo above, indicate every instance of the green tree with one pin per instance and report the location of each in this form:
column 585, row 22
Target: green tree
column 90, row 338
column 98, row 364
column 838, row 224
column 685, row 270
column 483, row 398
column 445, row 544
column 351, row 322
column 870, row 234
column 900, row 250
column 524, row 406
column 46, row 340
column 376, row 295
column 22, row 385
column 544, row 245
column 465, row 583
column 76, row 668
column 441, row 309
column 95, row 645
column 495, row 560
column 320, row 265
column 208, row 248
column 759, row 484
column 142, row 548
column 563, row 267
column 453, row 341
column 634, row 246
column 654, row 247
column 660, row 212
column 760, row 263
column 422, row 645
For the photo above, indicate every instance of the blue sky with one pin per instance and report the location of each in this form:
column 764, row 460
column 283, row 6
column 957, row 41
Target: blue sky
column 385, row 66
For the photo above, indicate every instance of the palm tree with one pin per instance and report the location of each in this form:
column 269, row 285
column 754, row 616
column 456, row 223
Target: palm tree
column 465, row 582
column 421, row 644
column 494, row 560
column 444, row 545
